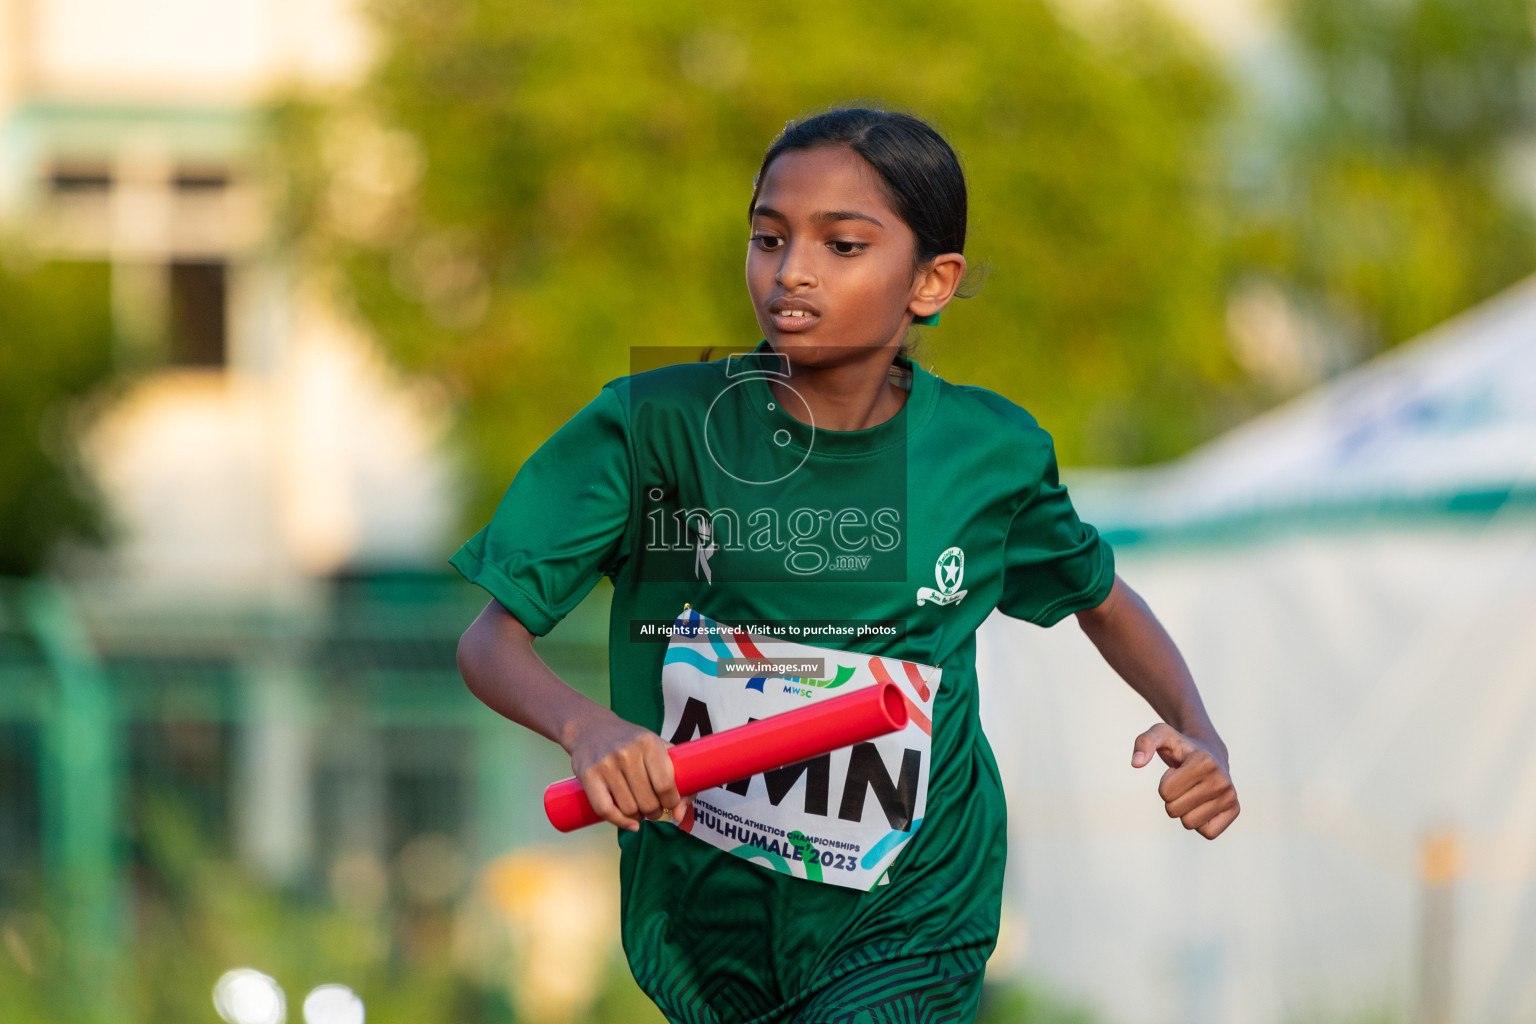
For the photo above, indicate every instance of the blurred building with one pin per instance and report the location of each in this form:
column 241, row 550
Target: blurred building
column 261, row 441
column 269, row 643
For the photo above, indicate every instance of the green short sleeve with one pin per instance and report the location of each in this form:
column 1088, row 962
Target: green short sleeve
column 563, row 522
column 1054, row 564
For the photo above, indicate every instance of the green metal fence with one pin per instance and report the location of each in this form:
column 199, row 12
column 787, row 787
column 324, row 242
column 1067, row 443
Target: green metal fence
column 292, row 726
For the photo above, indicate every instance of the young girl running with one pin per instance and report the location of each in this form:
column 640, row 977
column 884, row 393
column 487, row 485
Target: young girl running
column 820, row 497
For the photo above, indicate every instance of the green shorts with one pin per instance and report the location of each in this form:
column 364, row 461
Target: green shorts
column 713, row 939
column 903, row 992
column 939, row 989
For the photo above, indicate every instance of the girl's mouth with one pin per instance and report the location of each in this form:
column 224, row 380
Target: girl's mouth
column 791, row 321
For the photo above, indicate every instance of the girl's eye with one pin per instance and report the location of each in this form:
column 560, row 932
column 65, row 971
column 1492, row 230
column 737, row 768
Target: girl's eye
column 767, row 242
column 843, row 248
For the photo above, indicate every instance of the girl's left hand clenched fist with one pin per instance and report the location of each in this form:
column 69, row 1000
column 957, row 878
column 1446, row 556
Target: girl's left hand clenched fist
column 1197, row 787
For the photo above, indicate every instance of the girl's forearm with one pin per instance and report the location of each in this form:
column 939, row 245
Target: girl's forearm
column 499, row 665
column 623, row 768
column 1137, row 647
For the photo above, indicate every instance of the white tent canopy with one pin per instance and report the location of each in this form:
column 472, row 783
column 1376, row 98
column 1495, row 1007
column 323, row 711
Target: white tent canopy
column 1374, row 674
column 1446, row 421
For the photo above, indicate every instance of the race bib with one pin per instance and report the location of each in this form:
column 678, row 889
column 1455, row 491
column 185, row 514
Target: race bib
column 841, row 817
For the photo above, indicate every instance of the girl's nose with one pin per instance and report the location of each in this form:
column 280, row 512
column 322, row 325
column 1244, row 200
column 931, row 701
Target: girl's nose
column 795, row 270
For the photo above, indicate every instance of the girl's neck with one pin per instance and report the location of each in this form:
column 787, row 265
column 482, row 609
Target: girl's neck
column 848, row 396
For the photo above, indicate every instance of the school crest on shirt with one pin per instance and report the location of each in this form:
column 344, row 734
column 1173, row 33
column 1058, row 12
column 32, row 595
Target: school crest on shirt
column 949, row 571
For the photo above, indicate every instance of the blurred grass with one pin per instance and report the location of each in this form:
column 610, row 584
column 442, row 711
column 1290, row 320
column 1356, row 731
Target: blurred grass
column 196, row 915
column 1018, row 1003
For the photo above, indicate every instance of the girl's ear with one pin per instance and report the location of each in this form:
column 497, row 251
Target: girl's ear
column 935, row 285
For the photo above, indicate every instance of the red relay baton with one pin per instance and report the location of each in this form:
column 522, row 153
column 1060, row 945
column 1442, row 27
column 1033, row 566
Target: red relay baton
column 759, row 746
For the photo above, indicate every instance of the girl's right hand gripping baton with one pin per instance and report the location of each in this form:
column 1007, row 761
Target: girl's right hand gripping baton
column 759, row 746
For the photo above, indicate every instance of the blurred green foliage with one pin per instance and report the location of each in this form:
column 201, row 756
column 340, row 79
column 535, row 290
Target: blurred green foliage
column 522, row 192
column 55, row 348
column 519, row 193
column 1394, row 202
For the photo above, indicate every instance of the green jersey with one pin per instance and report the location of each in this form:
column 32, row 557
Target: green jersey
column 860, row 557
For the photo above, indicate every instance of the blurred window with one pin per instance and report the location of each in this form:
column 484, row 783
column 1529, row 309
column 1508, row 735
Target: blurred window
column 77, row 178
column 200, row 179
column 199, row 299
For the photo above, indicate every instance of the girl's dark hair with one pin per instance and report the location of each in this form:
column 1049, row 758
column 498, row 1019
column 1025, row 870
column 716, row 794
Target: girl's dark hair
column 919, row 169
column 921, row 173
